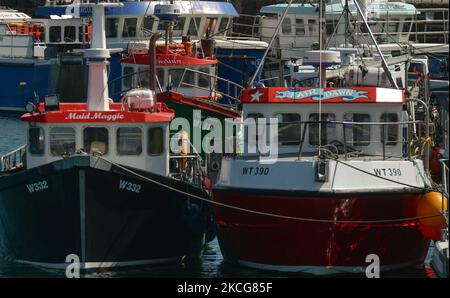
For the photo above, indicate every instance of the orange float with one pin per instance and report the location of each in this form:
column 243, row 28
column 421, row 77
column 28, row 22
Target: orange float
column 429, row 205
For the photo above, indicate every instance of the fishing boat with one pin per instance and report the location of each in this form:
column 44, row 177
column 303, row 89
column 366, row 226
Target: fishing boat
column 136, row 21
column 26, row 65
column 187, row 78
column 97, row 180
column 345, row 180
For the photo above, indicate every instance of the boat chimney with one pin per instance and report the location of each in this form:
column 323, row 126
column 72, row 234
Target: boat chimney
column 152, row 60
column 97, row 58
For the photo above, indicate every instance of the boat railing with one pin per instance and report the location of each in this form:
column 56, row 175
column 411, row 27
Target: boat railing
column 186, row 166
column 420, row 27
column 444, row 188
column 233, row 90
column 391, row 134
column 14, row 160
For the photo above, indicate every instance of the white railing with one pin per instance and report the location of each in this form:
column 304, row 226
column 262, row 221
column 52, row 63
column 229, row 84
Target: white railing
column 68, row 2
column 13, row 160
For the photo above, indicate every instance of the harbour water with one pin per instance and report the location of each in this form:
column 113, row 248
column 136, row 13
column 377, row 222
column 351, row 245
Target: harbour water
column 210, row 265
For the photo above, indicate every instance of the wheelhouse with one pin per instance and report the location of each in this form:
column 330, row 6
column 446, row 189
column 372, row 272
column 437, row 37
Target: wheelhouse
column 136, row 139
column 389, row 21
column 369, row 121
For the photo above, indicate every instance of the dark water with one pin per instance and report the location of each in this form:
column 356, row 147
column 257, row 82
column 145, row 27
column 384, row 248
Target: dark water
column 210, row 265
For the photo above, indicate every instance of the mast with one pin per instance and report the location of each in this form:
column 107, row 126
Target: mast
column 97, row 57
column 322, row 42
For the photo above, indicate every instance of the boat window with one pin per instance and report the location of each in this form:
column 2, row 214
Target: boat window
column 69, row 34
column 328, row 130
column 42, row 37
column 155, row 141
column 36, row 140
column 204, row 80
column 407, row 25
column 289, row 129
column 210, row 25
column 250, row 140
column 112, row 27
column 129, row 27
column 286, row 26
column 175, row 76
column 148, row 23
column 95, row 140
column 299, row 27
column 357, row 134
column 55, row 34
column 128, row 77
column 179, row 25
column 330, row 25
column 62, row 141
column 80, row 34
column 390, row 132
column 161, row 78
column 144, row 76
column 189, row 78
column 194, row 25
column 129, row 141
column 313, row 28
column 223, row 26
column 393, row 25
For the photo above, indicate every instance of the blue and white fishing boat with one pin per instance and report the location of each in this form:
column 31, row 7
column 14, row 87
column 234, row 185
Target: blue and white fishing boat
column 135, row 21
column 26, row 65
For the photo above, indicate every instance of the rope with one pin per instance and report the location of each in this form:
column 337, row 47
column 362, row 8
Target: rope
column 304, row 219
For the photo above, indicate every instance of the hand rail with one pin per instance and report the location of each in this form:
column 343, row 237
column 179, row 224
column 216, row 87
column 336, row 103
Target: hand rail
column 13, row 160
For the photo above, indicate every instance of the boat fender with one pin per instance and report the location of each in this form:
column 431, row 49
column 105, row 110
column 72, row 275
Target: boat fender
column 431, row 204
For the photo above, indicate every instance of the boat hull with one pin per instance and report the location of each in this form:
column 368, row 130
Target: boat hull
column 271, row 243
column 105, row 215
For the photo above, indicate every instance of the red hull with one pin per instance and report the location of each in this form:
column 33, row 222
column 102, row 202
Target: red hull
column 290, row 245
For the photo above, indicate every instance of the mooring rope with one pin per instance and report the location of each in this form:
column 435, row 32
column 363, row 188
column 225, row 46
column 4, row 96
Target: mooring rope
column 362, row 222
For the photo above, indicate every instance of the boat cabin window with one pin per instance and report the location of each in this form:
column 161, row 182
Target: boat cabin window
column 95, row 140
column 393, row 25
column 42, row 37
column 289, row 129
column 175, row 76
column 328, row 130
column 313, row 27
column 128, row 78
column 129, row 27
column 62, row 141
column 179, row 25
column 299, row 27
column 112, row 27
column 407, row 25
column 55, row 34
column 36, row 140
column 210, row 25
column 251, row 140
column 70, row 34
column 193, row 26
column 330, row 25
column 160, row 76
column 129, row 141
column 390, row 132
column 189, row 78
column 155, row 144
column 204, row 81
column 144, row 79
column 223, row 26
column 148, row 23
column 286, row 26
column 357, row 134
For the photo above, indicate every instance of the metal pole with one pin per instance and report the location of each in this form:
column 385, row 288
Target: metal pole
column 275, row 34
column 383, row 61
column 427, row 131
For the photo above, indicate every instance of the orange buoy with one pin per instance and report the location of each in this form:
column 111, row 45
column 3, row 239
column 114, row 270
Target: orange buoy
column 430, row 204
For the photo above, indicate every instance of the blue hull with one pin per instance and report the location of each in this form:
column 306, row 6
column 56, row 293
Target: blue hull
column 22, row 77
